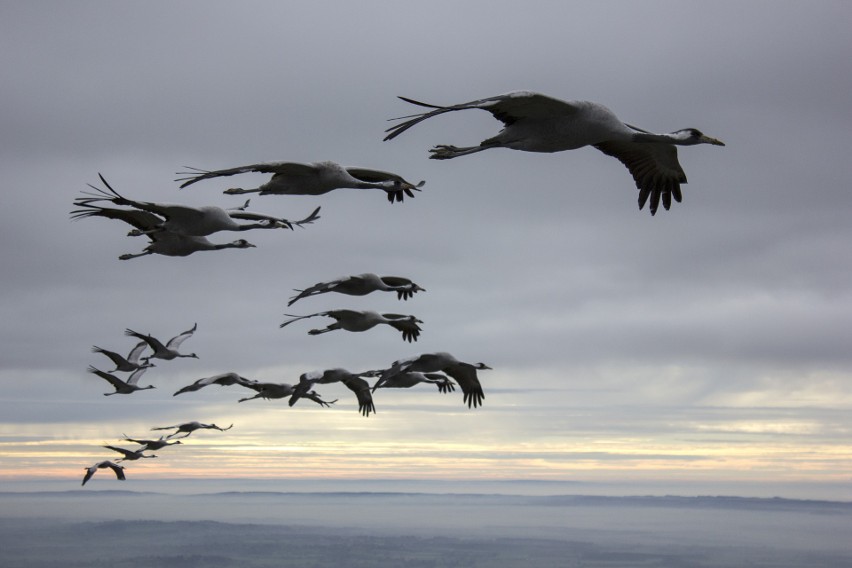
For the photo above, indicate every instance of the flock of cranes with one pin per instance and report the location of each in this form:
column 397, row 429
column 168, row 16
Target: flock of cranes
column 145, row 445
column 532, row 122
column 177, row 230
column 439, row 369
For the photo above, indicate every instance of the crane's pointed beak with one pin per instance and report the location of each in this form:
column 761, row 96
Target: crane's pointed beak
column 713, row 141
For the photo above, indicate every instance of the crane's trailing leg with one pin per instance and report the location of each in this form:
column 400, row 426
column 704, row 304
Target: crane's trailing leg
column 332, row 327
column 444, row 152
column 128, row 256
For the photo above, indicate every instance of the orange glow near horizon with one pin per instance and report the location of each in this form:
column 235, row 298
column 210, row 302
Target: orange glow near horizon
column 444, row 443
column 252, row 457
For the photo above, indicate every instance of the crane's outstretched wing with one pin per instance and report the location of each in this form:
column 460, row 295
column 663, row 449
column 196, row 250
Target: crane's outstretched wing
column 405, row 324
column 111, row 379
column 405, row 288
column 141, row 220
column 465, row 377
column 362, row 392
column 176, row 341
column 117, row 469
column 654, row 167
column 136, row 375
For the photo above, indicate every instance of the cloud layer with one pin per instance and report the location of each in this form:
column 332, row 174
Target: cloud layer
column 687, row 342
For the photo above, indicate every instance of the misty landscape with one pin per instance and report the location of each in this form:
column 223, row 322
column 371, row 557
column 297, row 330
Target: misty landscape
column 131, row 529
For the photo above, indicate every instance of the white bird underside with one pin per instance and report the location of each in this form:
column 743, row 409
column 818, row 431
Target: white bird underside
column 538, row 123
column 118, row 470
column 318, row 178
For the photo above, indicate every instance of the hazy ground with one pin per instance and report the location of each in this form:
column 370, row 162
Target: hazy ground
column 107, row 528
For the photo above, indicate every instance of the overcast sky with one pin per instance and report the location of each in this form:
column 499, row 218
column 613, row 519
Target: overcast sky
column 709, row 342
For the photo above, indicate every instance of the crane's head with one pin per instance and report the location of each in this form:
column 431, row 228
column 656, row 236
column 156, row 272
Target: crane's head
column 690, row 136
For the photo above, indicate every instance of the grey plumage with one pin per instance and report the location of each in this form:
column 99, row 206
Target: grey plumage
column 357, row 320
column 292, row 178
column 533, row 122
column 361, row 285
column 118, row 470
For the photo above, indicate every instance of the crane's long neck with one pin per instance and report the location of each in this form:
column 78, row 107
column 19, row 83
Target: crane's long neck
column 373, row 185
column 258, row 225
column 678, row 137
column 667, row 138
column 240, row 191
column 220, row 246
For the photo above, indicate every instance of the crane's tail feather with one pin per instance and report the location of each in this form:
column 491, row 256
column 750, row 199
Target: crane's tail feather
column 295, row 318
column 307, row 220
column 418, row 103
column 194, row 175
